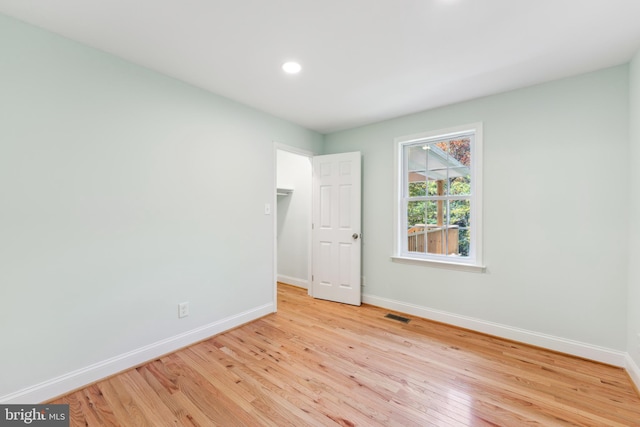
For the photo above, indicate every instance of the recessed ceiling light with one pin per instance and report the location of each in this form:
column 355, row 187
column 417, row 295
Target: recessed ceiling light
column 291, row 67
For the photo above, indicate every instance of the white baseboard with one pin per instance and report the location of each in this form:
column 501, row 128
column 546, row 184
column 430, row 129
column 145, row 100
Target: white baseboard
column 633, row 370
column 301, row 283
column 79, row 378
column 563, row 345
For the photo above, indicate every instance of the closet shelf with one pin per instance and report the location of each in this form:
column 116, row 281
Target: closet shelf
column 284, row 191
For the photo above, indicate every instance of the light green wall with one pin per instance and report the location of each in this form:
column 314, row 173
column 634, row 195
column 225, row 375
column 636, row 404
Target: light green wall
column 633, row 347
column 123, row 193
column 555, row 199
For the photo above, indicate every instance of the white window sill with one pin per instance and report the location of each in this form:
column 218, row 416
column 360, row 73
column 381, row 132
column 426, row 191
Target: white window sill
column 440, row 264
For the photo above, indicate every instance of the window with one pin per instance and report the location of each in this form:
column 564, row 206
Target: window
column 438, row 214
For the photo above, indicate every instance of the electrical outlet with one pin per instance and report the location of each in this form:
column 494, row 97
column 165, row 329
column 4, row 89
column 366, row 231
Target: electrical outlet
column 364, row 281
column 183, row 309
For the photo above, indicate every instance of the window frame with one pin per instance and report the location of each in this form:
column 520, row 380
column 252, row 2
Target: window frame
column 474, row 262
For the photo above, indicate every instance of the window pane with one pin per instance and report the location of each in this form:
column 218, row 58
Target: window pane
column 416, row 158
column 437, row 188
column 460, row 213
column 416, row 239
column 417, row 189
column 460, row 151
column 464, row 241
column 415, row 224
column 436, row 232
column 442, row 145
column 436, row 212
column 416, row 173
column 459, row 182
column 437, row 163
column 415, row 213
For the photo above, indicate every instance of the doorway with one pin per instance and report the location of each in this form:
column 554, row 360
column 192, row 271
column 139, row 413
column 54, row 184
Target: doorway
column 323, row 190
column 293, row 216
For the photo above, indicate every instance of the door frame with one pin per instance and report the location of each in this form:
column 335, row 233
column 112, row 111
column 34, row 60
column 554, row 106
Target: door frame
column 304, row 153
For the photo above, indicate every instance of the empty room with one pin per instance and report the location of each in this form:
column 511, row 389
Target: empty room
column 255, row 212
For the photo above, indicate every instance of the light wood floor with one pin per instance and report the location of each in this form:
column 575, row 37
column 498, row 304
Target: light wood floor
column 321, row 363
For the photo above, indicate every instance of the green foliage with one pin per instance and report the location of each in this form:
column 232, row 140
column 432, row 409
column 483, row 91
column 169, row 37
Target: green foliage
column 425, row 211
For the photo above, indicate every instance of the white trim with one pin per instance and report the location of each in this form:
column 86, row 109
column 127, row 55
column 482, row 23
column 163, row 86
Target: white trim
column 274, row 226
column 58, row 386
column 295, row 281
column 562, row 345
column 439, row 133
column 399, row 214
column 440, row 264
column 294, row 150
column 633, row 370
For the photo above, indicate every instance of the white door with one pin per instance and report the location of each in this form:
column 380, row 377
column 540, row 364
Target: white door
column 336, row 237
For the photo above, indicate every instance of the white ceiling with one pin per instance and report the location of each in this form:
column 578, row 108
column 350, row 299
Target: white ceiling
column 363, row 60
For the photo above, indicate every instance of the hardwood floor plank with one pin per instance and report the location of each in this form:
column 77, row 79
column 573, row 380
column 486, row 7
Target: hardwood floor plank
column 317, row 363
column 84, row 412
column 122, row 402
column 212, row 401
column 147, row 400
column 184, row 411
column 97, row 405
column 303, row 354
column 263, row 372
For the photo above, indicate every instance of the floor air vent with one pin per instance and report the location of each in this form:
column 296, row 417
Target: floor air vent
column 398, row 318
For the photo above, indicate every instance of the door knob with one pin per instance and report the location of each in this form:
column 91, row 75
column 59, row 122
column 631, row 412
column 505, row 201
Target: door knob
column 355, row 236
